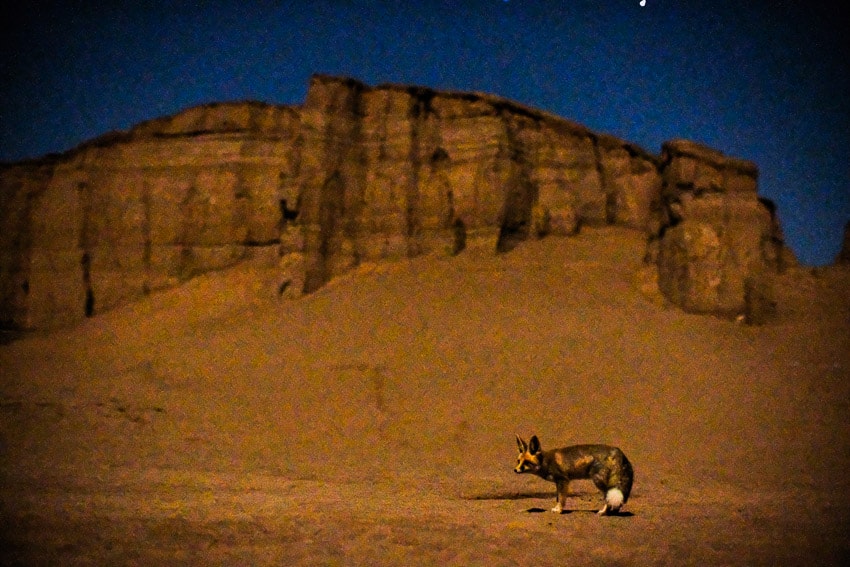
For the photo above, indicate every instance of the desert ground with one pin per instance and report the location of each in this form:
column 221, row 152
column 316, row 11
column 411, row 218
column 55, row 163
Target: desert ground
column 373, row 421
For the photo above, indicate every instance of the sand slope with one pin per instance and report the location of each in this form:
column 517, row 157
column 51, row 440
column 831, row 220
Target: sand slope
column 374, row 420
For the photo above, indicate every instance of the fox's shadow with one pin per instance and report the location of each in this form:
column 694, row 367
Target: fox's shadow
column 520, row 495
column 509, row 495
column 616, row 514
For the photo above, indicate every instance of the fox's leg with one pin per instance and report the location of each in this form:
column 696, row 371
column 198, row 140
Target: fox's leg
column 600, row 479
column 563, row 487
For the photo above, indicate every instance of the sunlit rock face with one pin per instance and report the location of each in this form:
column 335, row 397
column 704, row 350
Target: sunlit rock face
column 355, row 174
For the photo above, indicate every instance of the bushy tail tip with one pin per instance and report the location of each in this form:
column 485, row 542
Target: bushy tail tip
column 614, row 498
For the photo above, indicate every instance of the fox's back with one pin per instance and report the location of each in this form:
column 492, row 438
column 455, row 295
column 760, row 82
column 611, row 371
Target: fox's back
column 580, row 461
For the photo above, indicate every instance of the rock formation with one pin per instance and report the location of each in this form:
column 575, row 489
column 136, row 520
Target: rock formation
column 396, row 171
column 133, row 212
column 719, row 242
column 361, row 173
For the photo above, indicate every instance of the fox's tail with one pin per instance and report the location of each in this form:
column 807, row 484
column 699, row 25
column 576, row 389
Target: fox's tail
column 620, row 485
column 614, row 499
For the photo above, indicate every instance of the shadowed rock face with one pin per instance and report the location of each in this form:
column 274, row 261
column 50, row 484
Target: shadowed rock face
column 356, row 174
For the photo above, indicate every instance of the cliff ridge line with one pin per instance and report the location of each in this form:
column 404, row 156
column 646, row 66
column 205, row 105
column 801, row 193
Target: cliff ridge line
column 358, row 174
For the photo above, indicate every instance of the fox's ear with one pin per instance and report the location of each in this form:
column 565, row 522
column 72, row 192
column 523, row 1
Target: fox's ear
column 534, row 445
column 521, row 444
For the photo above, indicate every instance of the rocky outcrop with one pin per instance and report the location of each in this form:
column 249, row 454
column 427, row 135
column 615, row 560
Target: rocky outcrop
column 719, row 242
column 843, row 257
column 133, row 212
column 397, row 171
column 356, row 174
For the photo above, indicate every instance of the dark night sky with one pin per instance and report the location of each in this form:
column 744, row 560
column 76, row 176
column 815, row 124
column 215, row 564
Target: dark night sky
column 764, row 81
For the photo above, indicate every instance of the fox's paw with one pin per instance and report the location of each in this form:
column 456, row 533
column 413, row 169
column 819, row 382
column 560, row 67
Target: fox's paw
column 604, row 511
column 557, row 509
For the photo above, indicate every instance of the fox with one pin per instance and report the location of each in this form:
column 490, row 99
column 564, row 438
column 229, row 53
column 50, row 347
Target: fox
column 606, row 466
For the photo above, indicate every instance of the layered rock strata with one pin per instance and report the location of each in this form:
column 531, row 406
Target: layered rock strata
column 134, row 212
column 719, row 242
column 358, row 174
column 397, row 171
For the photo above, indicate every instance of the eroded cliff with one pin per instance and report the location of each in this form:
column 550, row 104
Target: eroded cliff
column 356, row 174
column 719, row 243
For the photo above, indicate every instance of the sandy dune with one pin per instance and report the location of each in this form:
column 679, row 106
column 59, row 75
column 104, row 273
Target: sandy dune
column 374, row 421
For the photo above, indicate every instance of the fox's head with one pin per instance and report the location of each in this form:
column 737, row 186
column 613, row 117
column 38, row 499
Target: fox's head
column 528, row 460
